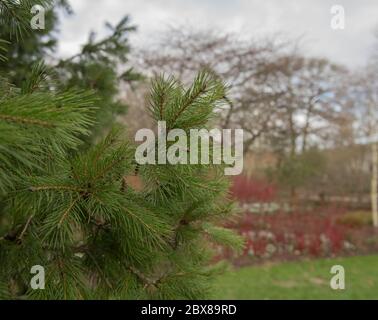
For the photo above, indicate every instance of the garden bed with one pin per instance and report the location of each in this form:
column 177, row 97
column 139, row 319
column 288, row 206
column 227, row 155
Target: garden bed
column 322, row 232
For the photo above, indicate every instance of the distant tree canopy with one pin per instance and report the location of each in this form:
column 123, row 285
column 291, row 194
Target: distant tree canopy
column 283, row 100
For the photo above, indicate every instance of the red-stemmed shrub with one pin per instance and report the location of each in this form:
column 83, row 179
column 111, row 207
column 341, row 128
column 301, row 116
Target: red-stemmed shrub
column 245, row 189
column 286, row 235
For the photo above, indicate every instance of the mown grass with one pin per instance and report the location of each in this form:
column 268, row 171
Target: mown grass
column 301, row 280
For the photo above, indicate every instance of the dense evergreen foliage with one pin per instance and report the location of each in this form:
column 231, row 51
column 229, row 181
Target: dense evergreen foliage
column 77, row 211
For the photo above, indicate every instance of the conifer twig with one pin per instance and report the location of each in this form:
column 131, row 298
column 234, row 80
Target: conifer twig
column 68, row 211
column 19, row 238
column 28, row 121
column 57, row 188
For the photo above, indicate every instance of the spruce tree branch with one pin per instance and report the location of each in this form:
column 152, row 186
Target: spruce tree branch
column 161, row 106
column 27, row 121
column 76, row 177
column 145, row 280
column 11, row 11
column 108, row 168
column 100, row 151
column 148, row 282
column 65, row 215
column 63, row 277
column 188, row 103
column 64, row 61
column 161, row 96
column 99, row 270
column 200, row 185
column 183, row 222
column 141, row 220
column 20, row 237
column 57, row 188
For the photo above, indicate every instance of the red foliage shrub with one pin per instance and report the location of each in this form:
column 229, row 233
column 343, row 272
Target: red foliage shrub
column 247, row 189
column 288, row 235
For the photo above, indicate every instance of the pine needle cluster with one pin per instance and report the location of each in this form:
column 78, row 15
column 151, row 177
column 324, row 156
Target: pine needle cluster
column 78, row 214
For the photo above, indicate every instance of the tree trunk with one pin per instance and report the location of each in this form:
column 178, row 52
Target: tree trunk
column 374, row 183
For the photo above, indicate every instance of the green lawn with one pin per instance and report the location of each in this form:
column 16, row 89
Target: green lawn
column 301, row 280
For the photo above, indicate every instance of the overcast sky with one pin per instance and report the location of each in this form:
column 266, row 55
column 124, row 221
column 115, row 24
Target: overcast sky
column 308, row 18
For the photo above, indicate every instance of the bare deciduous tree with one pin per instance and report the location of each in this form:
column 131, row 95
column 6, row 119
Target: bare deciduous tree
column 244, row 64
